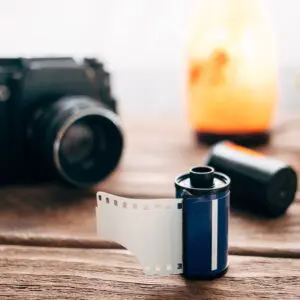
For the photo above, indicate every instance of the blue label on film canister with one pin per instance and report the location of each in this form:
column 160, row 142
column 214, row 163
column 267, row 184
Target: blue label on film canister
column 205, row 235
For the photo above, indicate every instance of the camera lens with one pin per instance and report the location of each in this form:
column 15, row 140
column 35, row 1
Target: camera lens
column 79, row 139
column 77, row 143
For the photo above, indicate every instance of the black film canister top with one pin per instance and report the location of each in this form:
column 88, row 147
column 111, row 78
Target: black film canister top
column 202, row 177
column 262, row 184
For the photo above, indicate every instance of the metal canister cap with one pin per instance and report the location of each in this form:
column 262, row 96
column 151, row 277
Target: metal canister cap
column 202, row 179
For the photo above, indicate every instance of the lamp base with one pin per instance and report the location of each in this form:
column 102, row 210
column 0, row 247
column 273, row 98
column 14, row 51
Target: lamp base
column 249, row 140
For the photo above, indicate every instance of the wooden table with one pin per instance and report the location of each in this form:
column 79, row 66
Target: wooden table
column 49, row 248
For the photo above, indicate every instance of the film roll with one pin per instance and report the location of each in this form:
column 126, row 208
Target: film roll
column 186, row 235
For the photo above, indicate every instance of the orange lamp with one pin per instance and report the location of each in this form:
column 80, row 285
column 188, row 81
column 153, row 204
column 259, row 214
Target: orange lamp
column 232, row 72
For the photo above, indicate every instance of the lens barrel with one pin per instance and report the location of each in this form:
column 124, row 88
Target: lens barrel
column 77, row 138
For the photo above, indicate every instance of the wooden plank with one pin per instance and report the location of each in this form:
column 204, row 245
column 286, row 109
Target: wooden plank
column 154, row 155
column 73, row 225
column 58, row 273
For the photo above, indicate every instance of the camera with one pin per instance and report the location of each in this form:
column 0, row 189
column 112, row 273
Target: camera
column 58, row 121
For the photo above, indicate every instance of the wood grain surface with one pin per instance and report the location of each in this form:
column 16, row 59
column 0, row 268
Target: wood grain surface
column 60, row 255
column 58, row 273
column 55, row 215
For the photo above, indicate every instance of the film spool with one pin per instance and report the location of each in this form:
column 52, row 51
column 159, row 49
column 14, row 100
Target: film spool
column 205, row 221
column 185, row 235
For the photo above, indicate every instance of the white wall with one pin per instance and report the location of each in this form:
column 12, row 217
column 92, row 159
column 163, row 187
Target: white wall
column 141, row 41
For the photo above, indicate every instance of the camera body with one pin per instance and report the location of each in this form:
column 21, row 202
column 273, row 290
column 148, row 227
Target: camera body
column 53, row 109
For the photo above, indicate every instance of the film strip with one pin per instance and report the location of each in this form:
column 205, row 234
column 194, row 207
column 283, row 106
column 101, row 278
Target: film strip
column 149, row 228
column 185, row 235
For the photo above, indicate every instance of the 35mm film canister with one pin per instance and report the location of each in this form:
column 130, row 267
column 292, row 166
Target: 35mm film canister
column 259, row 183
column 205, row 195
column 186, row 235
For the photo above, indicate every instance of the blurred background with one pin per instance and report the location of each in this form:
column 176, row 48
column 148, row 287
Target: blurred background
column 142, row 43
